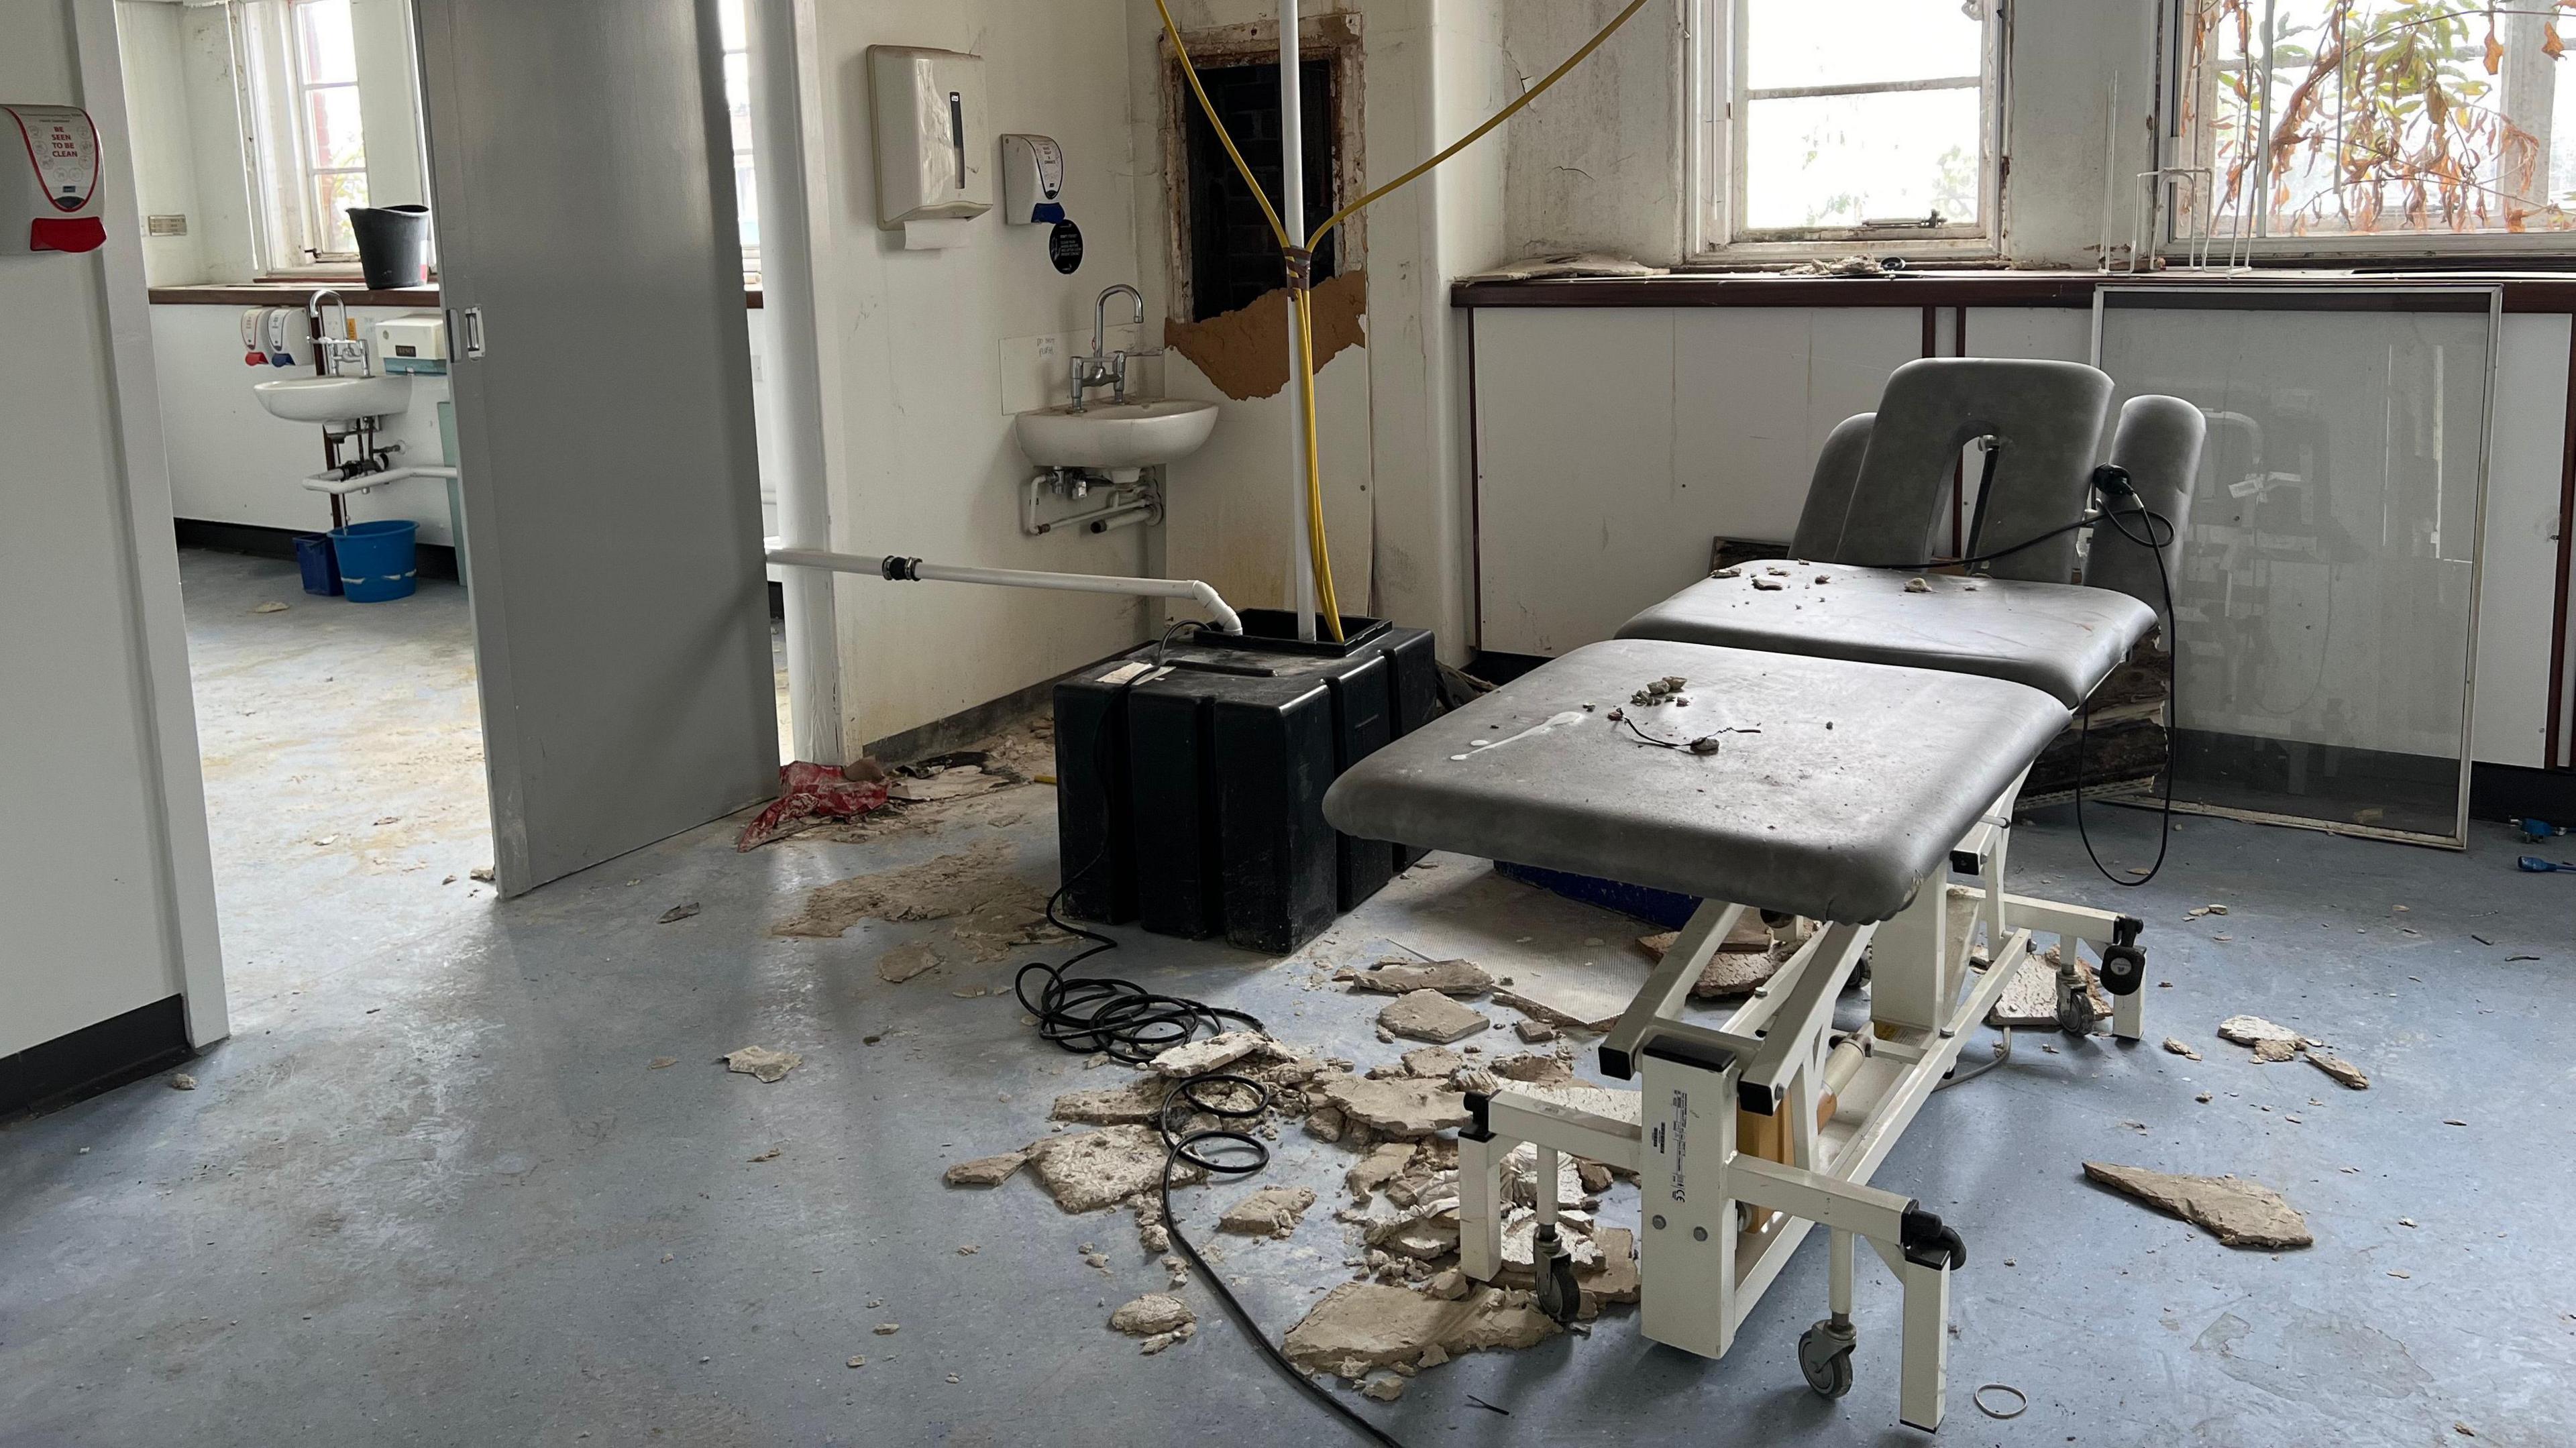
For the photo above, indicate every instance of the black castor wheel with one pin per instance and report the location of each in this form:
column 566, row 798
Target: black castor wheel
column 1825, row 1357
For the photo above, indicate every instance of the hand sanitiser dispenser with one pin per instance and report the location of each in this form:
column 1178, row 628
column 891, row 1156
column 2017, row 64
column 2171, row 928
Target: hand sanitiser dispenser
column 933, row 166
column 1032, row 180
column 49, row 196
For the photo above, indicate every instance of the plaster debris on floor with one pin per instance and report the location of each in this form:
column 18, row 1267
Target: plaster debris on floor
column 990, row 910
column 1269, row 1212
column 1400, row 977
column 762, row 1063
column 2237, row 1211
column 1427, row 1015
column 985, row 1171
column 1363, row 1325
column 1094, row 1170
column 902, row 963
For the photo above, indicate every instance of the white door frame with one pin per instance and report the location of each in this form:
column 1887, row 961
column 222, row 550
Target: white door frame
column 176, row 778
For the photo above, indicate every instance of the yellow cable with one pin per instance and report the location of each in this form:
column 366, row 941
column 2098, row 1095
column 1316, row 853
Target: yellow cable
column 1323, row 561
column 1317, row 562
column 1318, row 557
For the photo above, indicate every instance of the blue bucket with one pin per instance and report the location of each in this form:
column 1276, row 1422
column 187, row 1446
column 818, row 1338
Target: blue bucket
column 376, row 559
column 313, row 558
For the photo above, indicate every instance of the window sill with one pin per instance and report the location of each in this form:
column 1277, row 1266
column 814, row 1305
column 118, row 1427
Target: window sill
column 2524, row 291
column 272, row 293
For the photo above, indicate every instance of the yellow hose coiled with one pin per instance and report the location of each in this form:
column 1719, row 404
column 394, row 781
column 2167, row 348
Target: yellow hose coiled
column 1300, row 275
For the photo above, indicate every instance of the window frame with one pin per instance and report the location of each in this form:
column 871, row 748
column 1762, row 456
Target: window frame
column 268, row 69
column 745, row 157
column 2178, row 148
column 301, row 88
column 1715, row 90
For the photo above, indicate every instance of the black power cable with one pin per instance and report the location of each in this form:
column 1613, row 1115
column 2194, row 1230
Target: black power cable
column 1132, row 1025
column 2110, row 482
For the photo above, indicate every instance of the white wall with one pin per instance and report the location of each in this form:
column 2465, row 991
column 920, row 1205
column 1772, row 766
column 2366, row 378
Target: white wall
column 1614, row 443
column 187, row 136
column 87, row 882
column 1596, row 164
column 152, row 44
column 925, row 354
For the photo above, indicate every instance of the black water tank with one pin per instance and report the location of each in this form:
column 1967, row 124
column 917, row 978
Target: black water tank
column 1190, row 779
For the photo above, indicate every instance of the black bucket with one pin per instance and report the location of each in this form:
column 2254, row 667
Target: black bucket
column 393, row 245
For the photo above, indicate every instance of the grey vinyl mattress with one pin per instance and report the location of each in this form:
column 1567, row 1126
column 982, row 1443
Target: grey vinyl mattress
column 1859, row 780
column 2061, row 638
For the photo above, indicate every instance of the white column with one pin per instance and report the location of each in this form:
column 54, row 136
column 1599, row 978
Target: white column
column 1292, row 216
column 792, row 380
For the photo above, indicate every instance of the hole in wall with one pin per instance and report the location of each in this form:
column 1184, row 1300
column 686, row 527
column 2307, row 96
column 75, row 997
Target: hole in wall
column 1233, row 259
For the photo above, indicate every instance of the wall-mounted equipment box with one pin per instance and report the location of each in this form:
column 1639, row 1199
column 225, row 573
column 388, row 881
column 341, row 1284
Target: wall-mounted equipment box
column 1032, row 180
column 412, row 342
column 49, row 194
column 932, row 148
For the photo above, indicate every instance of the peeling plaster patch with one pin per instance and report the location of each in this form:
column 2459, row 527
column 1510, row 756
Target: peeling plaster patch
column 1245, row 352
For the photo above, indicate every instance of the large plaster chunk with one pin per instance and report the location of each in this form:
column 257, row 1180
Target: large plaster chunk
column 1269, row 1212
column 2238, row 1212
column 1449, row 977
column 1150, row 1314
column 1400, row 1107
column 1363, row 1325
column 1090, row 1170
column 1427, row 1015
column 1137, row 1101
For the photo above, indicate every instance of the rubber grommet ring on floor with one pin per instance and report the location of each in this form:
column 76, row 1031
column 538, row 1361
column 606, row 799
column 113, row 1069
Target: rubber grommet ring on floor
column 2021, row 1400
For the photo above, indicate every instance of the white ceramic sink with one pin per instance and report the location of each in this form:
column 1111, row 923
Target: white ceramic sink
column 333, row 399
column 1116, row 436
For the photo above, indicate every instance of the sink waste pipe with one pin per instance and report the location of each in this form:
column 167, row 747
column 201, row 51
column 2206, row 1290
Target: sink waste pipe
column 898, row 569
column 1300, row 261
column 354, row 478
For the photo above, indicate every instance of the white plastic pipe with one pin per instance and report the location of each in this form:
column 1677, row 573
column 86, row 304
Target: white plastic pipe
column 913, row 570
column 326, row 483
column 1292, row 217
column 792, row 388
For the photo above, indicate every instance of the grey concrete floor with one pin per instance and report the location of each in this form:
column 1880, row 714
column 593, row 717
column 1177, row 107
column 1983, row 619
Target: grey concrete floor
column 433, row 1192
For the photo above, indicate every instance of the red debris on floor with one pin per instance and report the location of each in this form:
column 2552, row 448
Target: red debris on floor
column 810, row 790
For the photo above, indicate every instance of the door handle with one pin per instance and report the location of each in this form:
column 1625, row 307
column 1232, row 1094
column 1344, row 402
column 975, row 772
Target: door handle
column 470, row 337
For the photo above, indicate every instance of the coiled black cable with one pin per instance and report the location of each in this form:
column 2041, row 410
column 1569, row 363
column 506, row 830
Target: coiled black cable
column 1132, row 1025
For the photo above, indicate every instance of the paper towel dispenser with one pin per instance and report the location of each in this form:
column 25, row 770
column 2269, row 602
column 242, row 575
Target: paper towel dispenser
column 933, row 154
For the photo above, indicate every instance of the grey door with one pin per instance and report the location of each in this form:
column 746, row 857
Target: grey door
column 582, row 177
